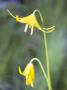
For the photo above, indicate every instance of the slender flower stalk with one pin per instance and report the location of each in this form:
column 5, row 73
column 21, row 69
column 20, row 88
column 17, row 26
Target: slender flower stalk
column 47, row 63
column 46, row 76
column 44, row 73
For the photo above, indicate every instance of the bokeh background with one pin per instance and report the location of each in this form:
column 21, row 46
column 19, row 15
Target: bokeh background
column 17, row 47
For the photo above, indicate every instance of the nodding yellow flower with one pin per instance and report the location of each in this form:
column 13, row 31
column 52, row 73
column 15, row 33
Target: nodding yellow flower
column 29, row 74
column 31, row 22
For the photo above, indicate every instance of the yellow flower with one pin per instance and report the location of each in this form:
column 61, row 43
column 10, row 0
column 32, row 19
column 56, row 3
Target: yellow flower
column 31, row 22
column 29, row 74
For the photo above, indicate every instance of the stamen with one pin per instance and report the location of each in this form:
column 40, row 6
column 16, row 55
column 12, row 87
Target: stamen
column 26, row 27
column 32, row 85
column 31, row 30
column 10, row 13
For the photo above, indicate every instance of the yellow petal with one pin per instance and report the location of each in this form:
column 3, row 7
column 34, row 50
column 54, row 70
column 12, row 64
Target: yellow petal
column 49, row 30
column 20, row 71
column 30, row 20
column 29, row 74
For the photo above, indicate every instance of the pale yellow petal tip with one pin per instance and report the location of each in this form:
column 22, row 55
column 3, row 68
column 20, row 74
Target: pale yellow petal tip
column 20, row 71
column 49, row 30
column 53, row 27
column 30, row 84
column 10, row 13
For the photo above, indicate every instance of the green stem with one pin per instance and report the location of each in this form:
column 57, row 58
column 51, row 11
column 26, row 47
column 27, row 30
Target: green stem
column 47, row 62
column 36, row 59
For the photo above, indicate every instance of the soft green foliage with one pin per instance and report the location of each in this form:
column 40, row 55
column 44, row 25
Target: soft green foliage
column 17, row 47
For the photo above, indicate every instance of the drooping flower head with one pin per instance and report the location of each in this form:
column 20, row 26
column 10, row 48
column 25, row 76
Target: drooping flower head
column 29, row 74
column 31, row 22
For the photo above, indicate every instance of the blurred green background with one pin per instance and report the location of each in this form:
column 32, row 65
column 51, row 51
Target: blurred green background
column 17, row 47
